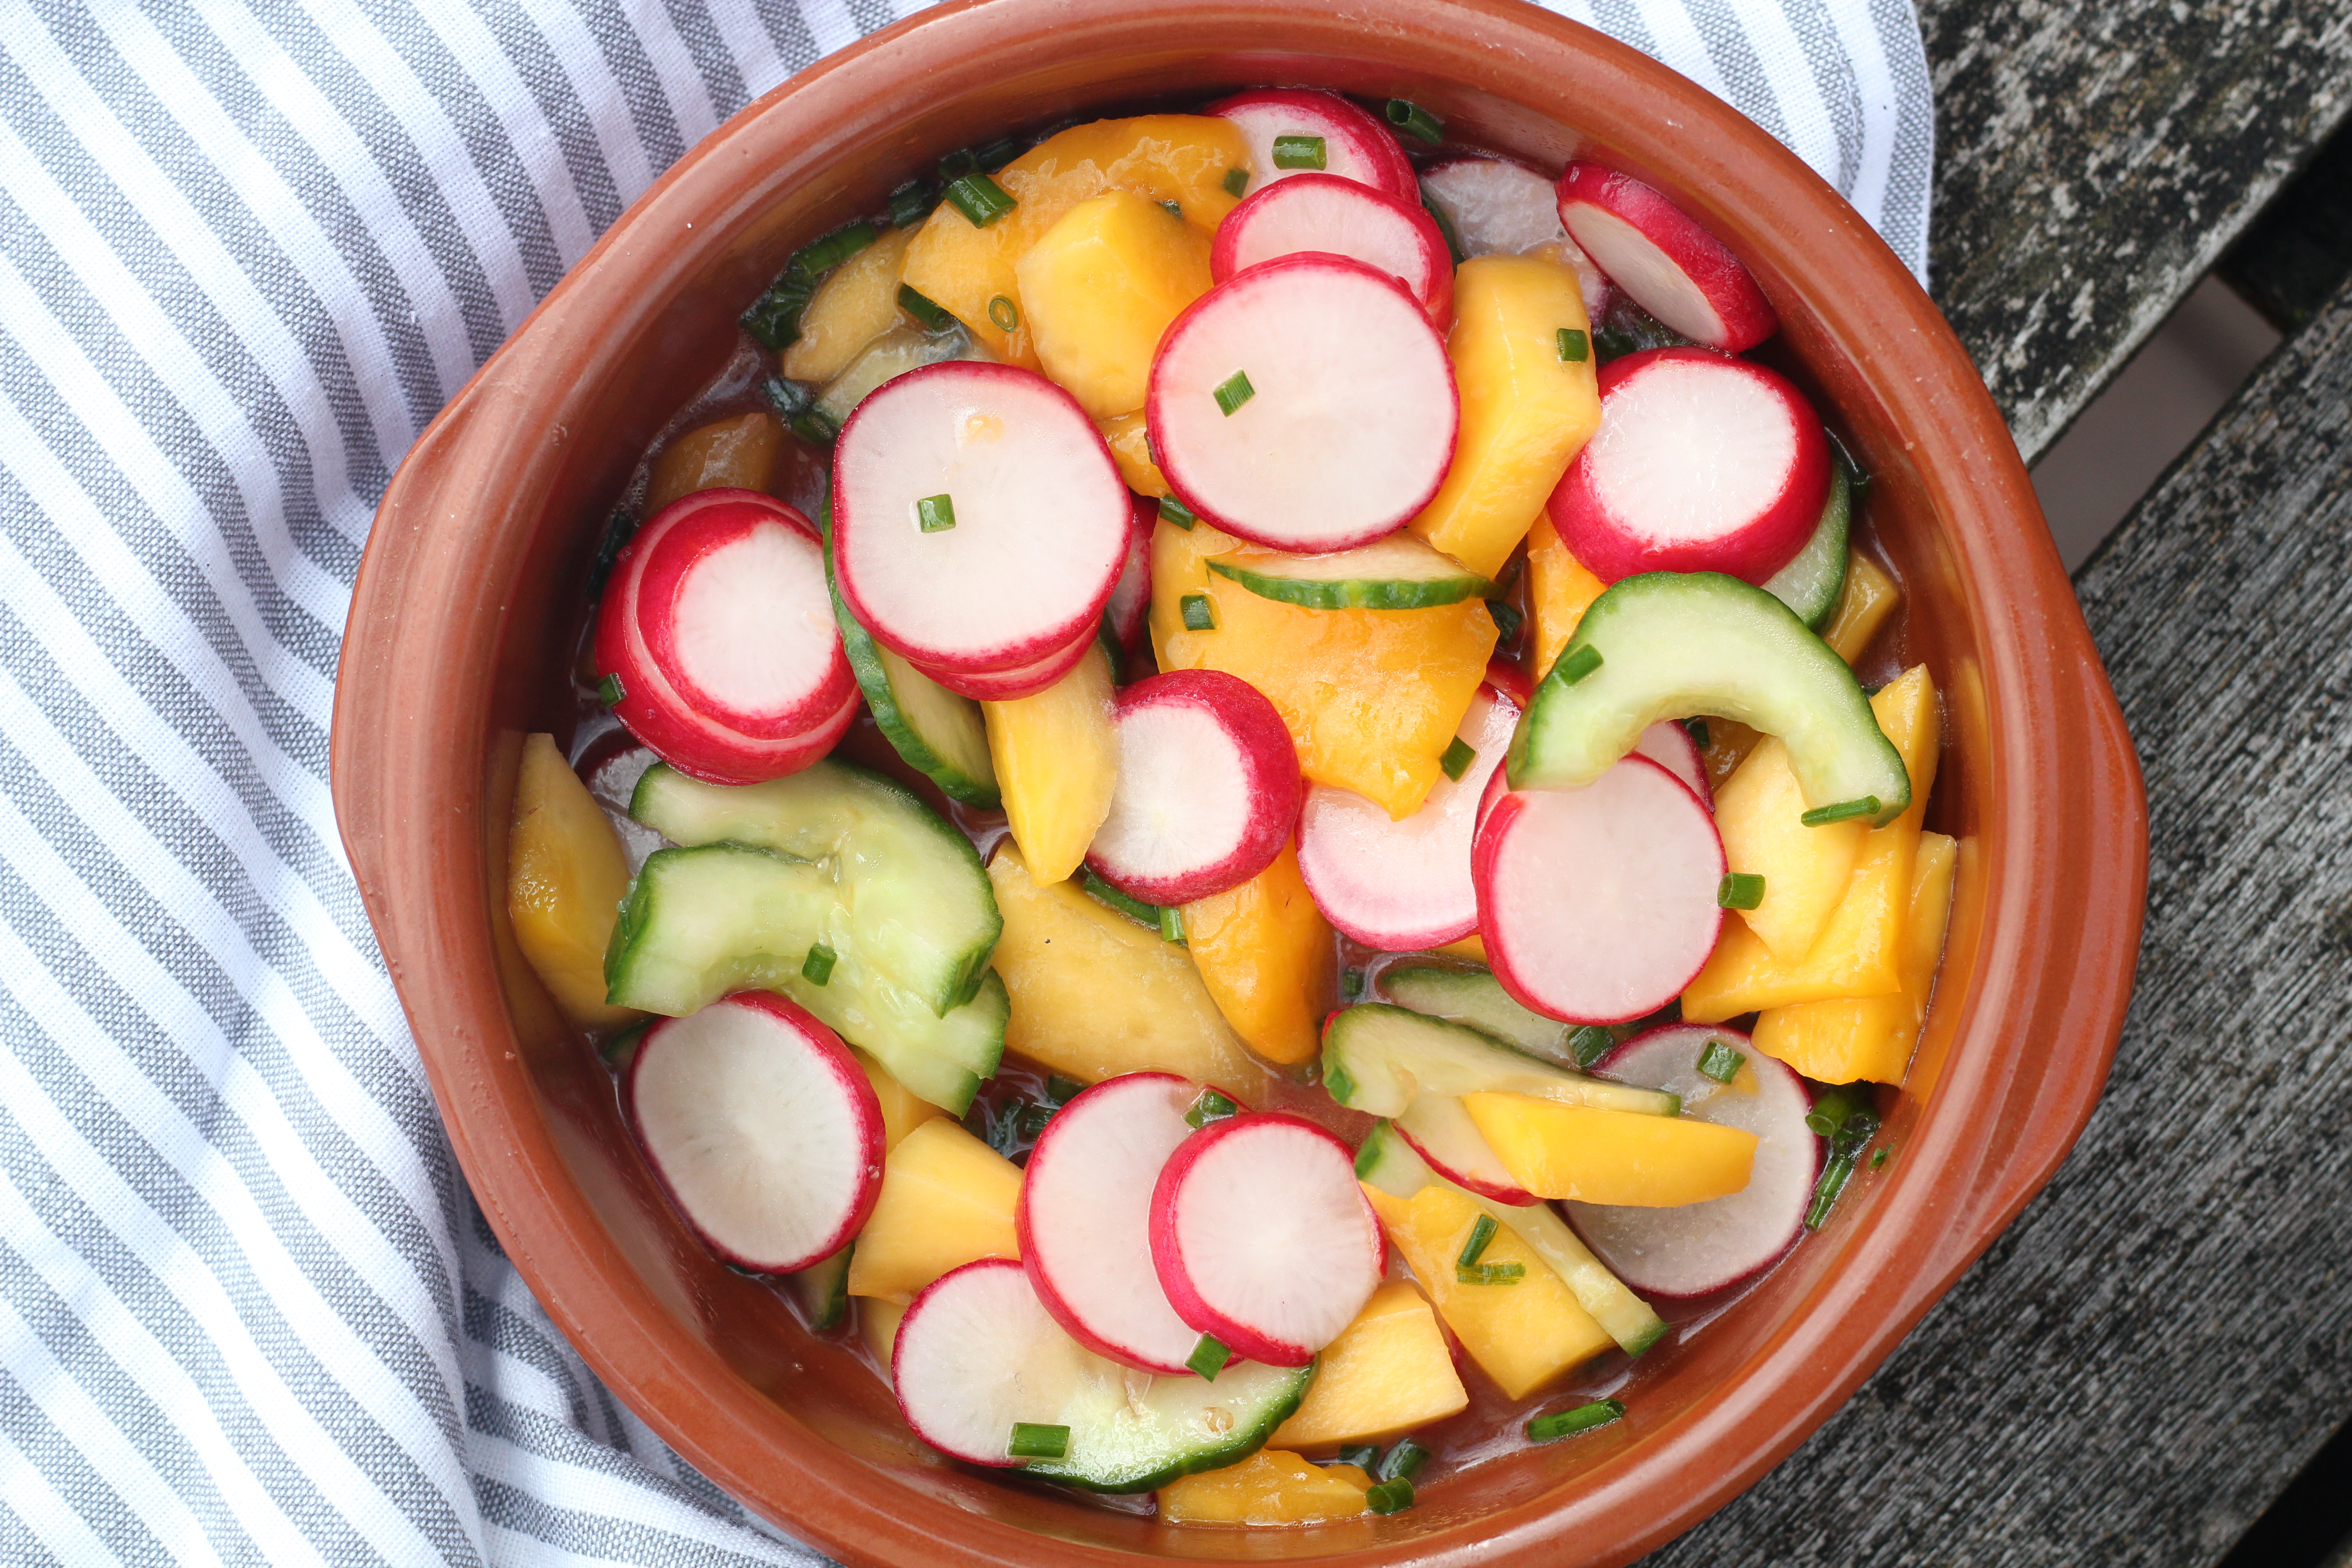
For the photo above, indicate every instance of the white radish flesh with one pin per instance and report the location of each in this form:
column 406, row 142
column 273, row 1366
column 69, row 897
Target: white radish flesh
column 976, row 1353
column 1340, row 217
column 1208, row 788
column 1440, row 1130
column 734, row 607
column 1661, row 256
column 1022, row 681
column 1356, row 146
column 1498, row 208
column 1131, row 598
column 1669, row 745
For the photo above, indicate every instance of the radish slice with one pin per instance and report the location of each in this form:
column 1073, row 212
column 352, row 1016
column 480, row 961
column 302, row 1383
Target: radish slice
column 1506, row 676
column 1208, row 788
column 1356, row 145
column 1261, row 1238
column 1084, row 1219
column 1131, row 598
column 1442, row 1133
column 1597, row 905
column 1703, row 1248
column 761, row 1126
column 1702, row 463
column 1498, row 208
column 976, row 1352
column 1660, row 256
column 979, row 523
column 1400, row 885
column 1025, row 680
column 1304, row 404
column 1343, row 218
column 1669, row 745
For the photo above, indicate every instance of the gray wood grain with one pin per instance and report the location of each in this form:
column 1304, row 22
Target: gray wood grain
column 2156, row 1347
column 2093, row 158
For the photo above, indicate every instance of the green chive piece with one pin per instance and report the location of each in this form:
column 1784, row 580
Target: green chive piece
column 1062, row 1090
column 1416, row 121
column 1832, row 1107
column 1822, row 815
column 1004, row 314
column 817, row 967
column 1363, row 1455
column 617, row 534
column 1351, row 984
column 813, row 260
column 1826, row 1190
column 610, row 692
column 980, row 199
column 1880, row 1158
column 1175, row 209
column 957, row 163
column 1507, row 618
column 1491, row 1274
column 1438, row 216
column 1457, row 759
column 1234, row 391
column 1177, row 512
column 911, row 202
column 1236, row 181
column 1574, row 346
column 1035, row 1441
column 1855, row 1126
column 1133, row 907
column 1569, row 1422
column 1209, row 1357
column 1390, row 1497
column 1172, row 924
column 1476, row 1248
column 813, row 427
column 1199, row 615
column 1591, row 1042
column 998, row 154
column 1402, row 1461
column 1583, row 661
column 935, row 514
column 933, row 316
column 1740, row 889
column 1697, row 728
column 775, row 317
column 1210, row 1107
column 1299, row 152
column 1721, row 1062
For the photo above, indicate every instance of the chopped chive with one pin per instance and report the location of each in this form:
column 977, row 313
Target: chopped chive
column 1062, row 1090
column 1822, row 815
column 1390, row 1497
column 1579, row 663
column 1832, row 1107
column 1404, row 1460
column 911, row 202
column 1569, row 1422
column 1826, row 1190
column 980, row 199
column 930, row 312
column 1351, row 984
column 1175, row 209
column 1457, row 759
column 1035, row 1441
column 998, row 154
column 1177, row 512
column 1004, row 314
column 1444, row 222
column 1491, row 1274
column 935, row 514
column 1574, row 346
column 1855, row 1125
column 1236, row 181
column 817, row 967
column 775, row 317
column 816, row 259
column 1133, row 907
column 1721, row 1062
column 1880, row 1158
column 1740, row 889
column 1209, row 1107
column 1507, row 618
column 1697, row 728
column 1591, row 1042
column 1209, row 1357
column 791, row 397
column 957, row 163
column 1416, row 121
column 813, row 428
column 1172, row 924
column 1234, row 391
column 1480, row 1234
column 1199, row 615
column 617, row 534
column 1299, row 152
column 610, row 692
column 1363, row 1455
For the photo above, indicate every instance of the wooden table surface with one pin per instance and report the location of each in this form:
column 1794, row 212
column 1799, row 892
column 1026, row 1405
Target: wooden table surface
column 2138, row 1366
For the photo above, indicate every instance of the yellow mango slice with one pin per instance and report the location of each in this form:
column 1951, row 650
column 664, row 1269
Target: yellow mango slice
column 1870, row 595
column 565, row 879
column 1595, row 1156
column 1386, row 1373
column 1270, row 1487
column 1095, row 994
column 737, row 453
column 1472, row 947
column 1759, row 811
column 1267, row 955
column 1056, row 759
column 856, row 303
column 877, row 1329
column 902, row 1110
column 1561, row 588
column 1130, row 448
column 1523, row 1336
column 947, row 1198
column 1871, row 1038
column 1525, row 412
column 1098, row 289
column 1181, row 158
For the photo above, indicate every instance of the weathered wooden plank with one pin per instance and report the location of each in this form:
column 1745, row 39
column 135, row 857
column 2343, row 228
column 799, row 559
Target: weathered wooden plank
column 2091, row 160
column 2139, row 1365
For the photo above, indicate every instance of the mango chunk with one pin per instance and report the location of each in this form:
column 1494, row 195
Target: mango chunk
column 1267, row 955
column 1595, row 1156
column 565, row 879
column 947, row 1199
column 1525, row 412
column 1095, row 994
column 1098, row 289
column 1759, row 811
column 1386, row 1373
column 1181, row 158
column 737, row 453
column 1270, row 1487
column 1130, row 448
column 1472, row 947
column 1561, row 588
column 1869, row 596
column 902, row 1110
column 1056, row 759
column 1523, row 1334
column 856, row 303
column 1872, row 1038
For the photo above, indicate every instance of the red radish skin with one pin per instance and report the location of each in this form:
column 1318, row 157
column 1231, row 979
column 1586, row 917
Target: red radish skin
column 1004, row 685
column 1084, row 1219
column 761, row 1127
column 1340, row 217
column 1402, row 886
column 1597, row 905
column 1041, row 517
column 1702, row 463
column 976, row 1352
column 1442, row 1133
column 1500, row 208
column 1261, row 1238
column 1700, row 1249
column 1664, row 260
column 1669, row 745
column 1207, row 791
column 1351, row 422
column 1356, row 145
column 1506, row 676
column 1129, row 611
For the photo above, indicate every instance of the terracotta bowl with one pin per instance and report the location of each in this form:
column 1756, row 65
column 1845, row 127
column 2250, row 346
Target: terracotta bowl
column 471, row 595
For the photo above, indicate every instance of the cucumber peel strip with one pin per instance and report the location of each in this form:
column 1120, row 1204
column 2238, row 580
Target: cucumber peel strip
column 1812, row 579
column 1399, row 573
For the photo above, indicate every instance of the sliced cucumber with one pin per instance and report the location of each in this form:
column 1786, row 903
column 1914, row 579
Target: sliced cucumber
column 943, row 1060
column 823, row 1290
column 1399, row 573
column 1811, row 584
column 1376, row 1058
column 903, row 348
column 939, row 732
column 1123, row 1439
column 1384, row 1160
column 1476, row 998
column 1667, row 645
column 920, row 908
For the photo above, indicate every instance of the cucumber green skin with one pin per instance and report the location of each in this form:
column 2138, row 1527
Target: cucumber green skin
column 1377, row 1056
column 912, row 711
column 1811, row 584
column 1358, row 593
column 1677, row 643
column 823, row 1290
column 1387, row 1162
column 1476, row 999
column 1264, row 1395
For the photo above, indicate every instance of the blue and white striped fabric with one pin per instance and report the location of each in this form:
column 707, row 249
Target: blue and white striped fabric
column 249, row 1311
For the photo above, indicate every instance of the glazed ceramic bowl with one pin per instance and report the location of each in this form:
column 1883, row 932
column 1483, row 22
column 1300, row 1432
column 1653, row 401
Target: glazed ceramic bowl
column 471, row 596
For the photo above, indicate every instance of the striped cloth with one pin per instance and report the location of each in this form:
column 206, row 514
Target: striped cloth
column 248, row 1311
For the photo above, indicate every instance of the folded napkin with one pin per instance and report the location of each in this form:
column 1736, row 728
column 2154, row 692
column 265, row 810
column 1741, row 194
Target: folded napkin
column 248, row 1311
